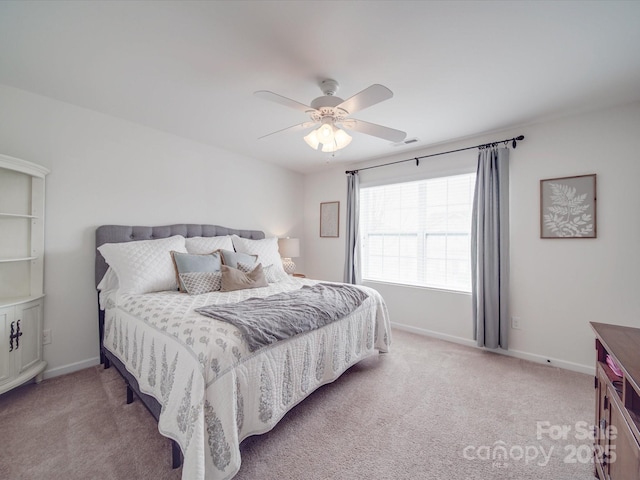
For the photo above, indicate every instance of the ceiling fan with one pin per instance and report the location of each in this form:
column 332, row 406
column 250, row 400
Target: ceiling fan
column 332, row 112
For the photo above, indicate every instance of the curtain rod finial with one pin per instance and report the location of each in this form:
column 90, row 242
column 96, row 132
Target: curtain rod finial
column 514, row 144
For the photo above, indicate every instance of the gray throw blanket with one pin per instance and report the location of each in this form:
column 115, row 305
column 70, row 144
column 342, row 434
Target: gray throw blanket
column 264, row 321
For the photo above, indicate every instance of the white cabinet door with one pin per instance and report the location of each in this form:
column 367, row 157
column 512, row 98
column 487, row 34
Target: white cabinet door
column 6, row 356
column 29, row 316
column 21, row 344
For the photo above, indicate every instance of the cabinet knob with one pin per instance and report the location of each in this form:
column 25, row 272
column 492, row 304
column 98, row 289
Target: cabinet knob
column 603, row 424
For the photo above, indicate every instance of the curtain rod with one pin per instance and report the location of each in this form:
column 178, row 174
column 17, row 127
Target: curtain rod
column 513, row 141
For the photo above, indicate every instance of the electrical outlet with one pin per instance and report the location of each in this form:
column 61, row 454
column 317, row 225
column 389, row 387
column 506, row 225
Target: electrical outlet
column 515, row 323
column 46, row 337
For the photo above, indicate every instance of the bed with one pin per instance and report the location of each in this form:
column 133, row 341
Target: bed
column 204, row 382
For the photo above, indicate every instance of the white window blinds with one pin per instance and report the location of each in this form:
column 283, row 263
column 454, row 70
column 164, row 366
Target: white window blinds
column 418, row 233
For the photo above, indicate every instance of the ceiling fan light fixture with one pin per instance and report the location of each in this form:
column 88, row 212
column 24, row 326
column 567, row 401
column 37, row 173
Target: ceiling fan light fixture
column 340, row 140
column 326, row 132
column 329, row 111
column 312, row 139
column 329, row 148
column 331, row 137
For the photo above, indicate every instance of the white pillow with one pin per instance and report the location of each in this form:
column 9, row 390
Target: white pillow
column 266, row 249
column 109, row 281
column 144, row 266
column 205, row 245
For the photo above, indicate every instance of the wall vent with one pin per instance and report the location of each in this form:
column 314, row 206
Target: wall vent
column 408, row 141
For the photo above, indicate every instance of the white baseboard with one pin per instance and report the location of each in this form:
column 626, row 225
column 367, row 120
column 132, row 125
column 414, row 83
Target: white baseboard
column 554, row 362
column 431, row 333
column 72, row 367
column 576, row 367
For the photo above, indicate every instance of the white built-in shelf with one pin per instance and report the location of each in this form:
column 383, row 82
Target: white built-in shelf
column 22, row 204
column 11, row 301
column 16, row 215
column 19, row 259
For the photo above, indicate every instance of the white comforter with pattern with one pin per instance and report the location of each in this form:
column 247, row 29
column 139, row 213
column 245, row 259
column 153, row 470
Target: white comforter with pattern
column 213, row 391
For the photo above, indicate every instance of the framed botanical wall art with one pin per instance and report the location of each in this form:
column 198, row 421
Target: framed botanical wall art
column 329, row 219
column 568, row 207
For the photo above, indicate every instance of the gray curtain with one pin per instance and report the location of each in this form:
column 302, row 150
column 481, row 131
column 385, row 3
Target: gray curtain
column 490, row 249
column 352, row 272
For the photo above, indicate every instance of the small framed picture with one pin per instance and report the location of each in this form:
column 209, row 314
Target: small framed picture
column 568, row 207
column 329, row 219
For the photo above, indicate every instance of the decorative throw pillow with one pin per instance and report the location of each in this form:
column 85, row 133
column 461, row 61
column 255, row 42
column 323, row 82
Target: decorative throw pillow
column 269, row 273
column 266, row 250
column 200, row 245
column 231, row 258
column 233, row 279
column 188, row 263
column 144, row 266
column 196, row 283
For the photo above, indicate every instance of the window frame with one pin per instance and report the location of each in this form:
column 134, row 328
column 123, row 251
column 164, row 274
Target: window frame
column 421, row 233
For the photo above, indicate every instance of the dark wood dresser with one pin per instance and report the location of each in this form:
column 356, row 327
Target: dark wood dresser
column 617, row 428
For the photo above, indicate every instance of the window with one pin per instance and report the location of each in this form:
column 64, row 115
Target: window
column 418, row 233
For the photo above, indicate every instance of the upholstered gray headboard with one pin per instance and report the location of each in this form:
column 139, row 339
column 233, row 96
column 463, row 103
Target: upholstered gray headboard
column 125, row 233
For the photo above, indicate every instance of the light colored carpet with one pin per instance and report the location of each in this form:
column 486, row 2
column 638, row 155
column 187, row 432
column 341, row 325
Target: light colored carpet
column 427, row 410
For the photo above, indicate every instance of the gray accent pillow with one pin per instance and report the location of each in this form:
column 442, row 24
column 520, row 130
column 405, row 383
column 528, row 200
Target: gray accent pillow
column 233, row 279
column 231, row 258
column 193, row 263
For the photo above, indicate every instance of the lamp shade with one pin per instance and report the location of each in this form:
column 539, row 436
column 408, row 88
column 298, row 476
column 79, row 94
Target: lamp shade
column 289, row 247
column 340, row 140
column 312, row 140
column 325, row 133
column 331, row 137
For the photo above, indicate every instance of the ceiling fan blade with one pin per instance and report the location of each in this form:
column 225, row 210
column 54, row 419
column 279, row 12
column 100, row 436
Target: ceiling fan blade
column 287, row 102
column 294, row 128
column 374, row 129
column 367, row 97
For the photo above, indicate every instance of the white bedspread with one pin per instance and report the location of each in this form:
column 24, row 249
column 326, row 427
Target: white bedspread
column 213, row 391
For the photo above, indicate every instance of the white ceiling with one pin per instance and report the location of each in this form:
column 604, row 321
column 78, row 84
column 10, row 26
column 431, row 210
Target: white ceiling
column 456, row 68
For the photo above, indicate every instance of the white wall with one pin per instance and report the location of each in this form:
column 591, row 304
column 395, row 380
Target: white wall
column 109, row 171
column 324, row 257
column 557, row 286
column 106, row 170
